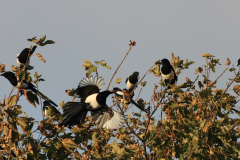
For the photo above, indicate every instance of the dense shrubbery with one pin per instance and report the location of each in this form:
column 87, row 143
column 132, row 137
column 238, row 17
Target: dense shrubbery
column 197, row 124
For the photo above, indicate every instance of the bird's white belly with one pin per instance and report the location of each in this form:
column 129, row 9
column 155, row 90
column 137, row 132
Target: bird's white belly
column 23, row 86
column 92, row 99
column 130, row 85
column 168, row 76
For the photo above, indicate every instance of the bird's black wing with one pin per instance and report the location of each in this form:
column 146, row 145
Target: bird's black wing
column 126, row 80
column 175, row 76
column 89, row 86
column 85, row 91
column 74, row 113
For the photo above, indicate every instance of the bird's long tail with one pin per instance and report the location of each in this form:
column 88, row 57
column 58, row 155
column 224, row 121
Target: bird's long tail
column 43, row 96
column 74, row 113
column 137, row 105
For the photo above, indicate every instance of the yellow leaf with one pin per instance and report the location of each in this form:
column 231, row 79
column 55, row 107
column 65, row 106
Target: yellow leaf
column 40, row 57
column 69, row 144
column 118, row 80
column 228, row 62
column 12, row 100
column 2, row 68
column 194, row 102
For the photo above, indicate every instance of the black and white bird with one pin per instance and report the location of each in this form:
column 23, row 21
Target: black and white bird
column 25, row 85
column 23, row 56
column 132, row 81
column 94, row 101
column 168, row 73
column 119, row 94
column 49, row 110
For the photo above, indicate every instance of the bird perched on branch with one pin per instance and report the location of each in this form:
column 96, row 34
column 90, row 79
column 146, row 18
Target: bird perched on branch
column 94, row 101
column 125, row 95
column 132, row 81
column 22, row 58
column 168, row 73
column 25, row 85
column 49, row 110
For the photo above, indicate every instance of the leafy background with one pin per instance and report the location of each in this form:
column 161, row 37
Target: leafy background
column 100, row 30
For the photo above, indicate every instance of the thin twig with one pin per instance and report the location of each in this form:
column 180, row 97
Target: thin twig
column 129, row 126
column 145, row 150
column 10, row 93
column 119, row 66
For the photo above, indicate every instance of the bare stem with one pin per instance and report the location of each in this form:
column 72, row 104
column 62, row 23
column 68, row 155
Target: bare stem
column 10, row 93
column 119, row 66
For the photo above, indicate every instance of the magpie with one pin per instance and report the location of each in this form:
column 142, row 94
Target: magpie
column 23, row 56
column 25, row 85
column 238, row 62
column 119, row 94
column 49, row 110
column 168, row 73
column 132, row 81
column 94, row 101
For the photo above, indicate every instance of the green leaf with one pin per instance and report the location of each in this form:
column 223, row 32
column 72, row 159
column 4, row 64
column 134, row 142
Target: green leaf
column 213, row 67
column 23, row 76
column 200, row 85
column 137, row 114
column 94, row 136
column 29, row 67
column 32, row 39
column 102, row 63
column 47, row 42
column 202, row 123
column 232, row 69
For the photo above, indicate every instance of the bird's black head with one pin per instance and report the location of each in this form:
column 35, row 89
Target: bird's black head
column 102, row 97
column 8, row 75
column 46, row 103
column 116, row 89
column 135, row 74
column 165, row 61
column 106, row 93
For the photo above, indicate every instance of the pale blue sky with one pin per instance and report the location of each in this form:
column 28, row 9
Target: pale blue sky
column 101, row 30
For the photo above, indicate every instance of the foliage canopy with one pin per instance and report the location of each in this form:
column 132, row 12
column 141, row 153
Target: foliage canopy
column 197, row 123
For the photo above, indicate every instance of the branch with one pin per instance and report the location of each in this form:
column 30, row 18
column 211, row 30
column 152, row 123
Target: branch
column 119, row 66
